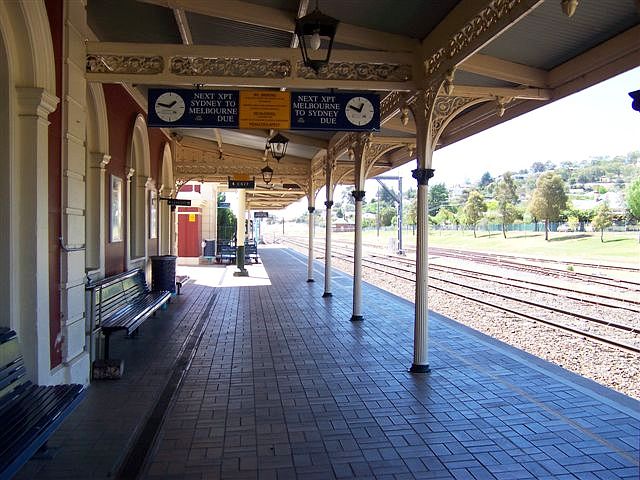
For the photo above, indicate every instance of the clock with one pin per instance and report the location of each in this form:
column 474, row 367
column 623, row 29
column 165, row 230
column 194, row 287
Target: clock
column 359, row 111
column 169, row 107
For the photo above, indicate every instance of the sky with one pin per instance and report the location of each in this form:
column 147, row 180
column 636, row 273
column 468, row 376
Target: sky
column 597, row 121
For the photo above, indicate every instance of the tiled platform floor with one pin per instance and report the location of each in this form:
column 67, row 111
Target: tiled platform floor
column 280, row 384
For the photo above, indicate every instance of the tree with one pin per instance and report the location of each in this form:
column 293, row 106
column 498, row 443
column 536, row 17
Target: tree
column 633, row 200
column 549, row 199
column 445, row 217
column 438, row 197
column 507, row 197
column 411, row 212
column 537, row 167
column 602, row 219
column 485, row 180
column 474, row 208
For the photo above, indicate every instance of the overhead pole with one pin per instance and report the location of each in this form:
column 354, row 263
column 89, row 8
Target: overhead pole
column 397, row 199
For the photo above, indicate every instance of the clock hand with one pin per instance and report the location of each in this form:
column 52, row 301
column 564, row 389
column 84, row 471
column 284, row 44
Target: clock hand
column 173, row 103
column 360, row 109
column 165, row 105
column 354, row 108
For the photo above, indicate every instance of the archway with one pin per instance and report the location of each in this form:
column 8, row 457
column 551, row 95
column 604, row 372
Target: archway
column 139, row 163
column 97, row 157
column 167, row 186
column 27, row 86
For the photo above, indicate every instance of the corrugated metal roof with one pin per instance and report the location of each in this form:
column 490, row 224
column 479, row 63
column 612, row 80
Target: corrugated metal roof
column 129, row 21
column 219, row 31
column 547, row 38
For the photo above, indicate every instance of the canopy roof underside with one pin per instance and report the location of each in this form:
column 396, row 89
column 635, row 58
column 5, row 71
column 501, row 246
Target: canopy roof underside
column 522, row 54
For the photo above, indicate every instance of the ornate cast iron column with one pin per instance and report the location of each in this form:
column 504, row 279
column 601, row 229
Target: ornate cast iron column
column 311, row 209
column 240, row 233
column 422, row 111
column 421, row 326
column 360, row 147
column 327, row 250
column 357, row 258
column 329, row 168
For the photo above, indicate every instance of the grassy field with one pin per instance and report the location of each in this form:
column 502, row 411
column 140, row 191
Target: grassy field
column 617, row 247
column 620, row 248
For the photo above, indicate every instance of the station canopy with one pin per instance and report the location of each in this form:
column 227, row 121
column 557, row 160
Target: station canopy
column 499, row 59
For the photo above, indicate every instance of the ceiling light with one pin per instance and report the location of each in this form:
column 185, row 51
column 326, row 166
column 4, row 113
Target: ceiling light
column 311, row 30
column 277, row 145
column 267, row 174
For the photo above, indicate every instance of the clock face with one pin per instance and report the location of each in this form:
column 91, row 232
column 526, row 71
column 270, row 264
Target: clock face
column 359, row 111
column 170, row 107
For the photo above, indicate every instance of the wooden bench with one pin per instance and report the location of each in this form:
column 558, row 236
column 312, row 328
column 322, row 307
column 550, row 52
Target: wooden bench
column 122, row 302
column 251, row 252
column 29, row 413
column 226, row 253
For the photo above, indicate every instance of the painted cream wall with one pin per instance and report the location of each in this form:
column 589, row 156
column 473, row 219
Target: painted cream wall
column 75, row 357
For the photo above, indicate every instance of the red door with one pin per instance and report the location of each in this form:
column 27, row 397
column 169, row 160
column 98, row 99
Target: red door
column 189, row 236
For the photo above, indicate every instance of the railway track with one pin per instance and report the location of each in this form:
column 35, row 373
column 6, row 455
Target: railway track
column 404, row 269
column 515, row 263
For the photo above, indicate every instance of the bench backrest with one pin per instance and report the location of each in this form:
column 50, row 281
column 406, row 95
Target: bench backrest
column 113, row 293
column 12, row 371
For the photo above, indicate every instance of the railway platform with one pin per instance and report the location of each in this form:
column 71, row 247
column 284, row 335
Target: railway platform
column 260, row 377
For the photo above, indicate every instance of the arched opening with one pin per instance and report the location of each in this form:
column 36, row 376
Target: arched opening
column 5, row 191
column 139, row 160
column 164, row 211
column 27, row 86
column 97, row 157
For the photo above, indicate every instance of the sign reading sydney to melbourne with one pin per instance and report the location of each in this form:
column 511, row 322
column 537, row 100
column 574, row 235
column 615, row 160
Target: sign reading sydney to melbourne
column 193, row 108
column 264, row 109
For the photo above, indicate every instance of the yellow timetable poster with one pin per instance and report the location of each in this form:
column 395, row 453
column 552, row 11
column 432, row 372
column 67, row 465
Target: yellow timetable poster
column 265, row 109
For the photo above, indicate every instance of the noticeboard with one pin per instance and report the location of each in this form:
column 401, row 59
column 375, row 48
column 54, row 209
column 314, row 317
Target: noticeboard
column 260, row 214
column 264, row 109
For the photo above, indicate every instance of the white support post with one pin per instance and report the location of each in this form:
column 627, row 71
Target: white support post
column 359, row 151
column 240, row 234
column 422, row 109
column 311, row 217
column 357, row 258
column 327, row 229
column 327, row 248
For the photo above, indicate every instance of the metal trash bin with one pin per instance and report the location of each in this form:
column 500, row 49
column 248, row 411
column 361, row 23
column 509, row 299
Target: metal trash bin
column 209, row 248
column 163, row 273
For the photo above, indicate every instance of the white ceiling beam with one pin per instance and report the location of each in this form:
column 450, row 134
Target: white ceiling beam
column 504, row 70
column 303, row 6
column 525, row 93
column 183, row 26
column 253, row 14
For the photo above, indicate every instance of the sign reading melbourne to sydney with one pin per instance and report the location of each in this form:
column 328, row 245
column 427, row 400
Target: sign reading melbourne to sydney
column 335, row 111
column 264, row 109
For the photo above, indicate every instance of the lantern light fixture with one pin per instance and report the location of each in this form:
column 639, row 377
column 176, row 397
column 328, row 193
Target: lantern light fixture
column 267, row 174
column 311, row 30
column 277, row 145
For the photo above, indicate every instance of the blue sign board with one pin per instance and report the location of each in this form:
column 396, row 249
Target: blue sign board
column 335, row 111
column 221, row 109
column 193, row 108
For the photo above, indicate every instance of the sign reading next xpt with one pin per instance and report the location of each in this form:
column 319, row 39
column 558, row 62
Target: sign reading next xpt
column 264, row 109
